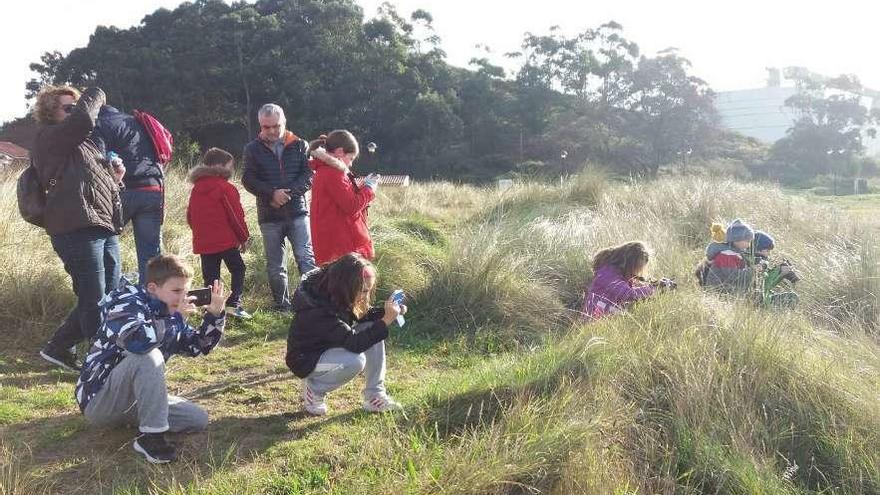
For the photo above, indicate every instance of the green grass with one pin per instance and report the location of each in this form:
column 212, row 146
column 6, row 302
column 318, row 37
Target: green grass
column 20, row 404
column 506, row 392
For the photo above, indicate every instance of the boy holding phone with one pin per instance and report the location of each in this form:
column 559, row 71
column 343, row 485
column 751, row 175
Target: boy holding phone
column 200, row 297
column 123, row 378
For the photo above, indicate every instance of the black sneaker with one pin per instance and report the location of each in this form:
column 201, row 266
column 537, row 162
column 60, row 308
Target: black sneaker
column 155, row 448
column 60, row 357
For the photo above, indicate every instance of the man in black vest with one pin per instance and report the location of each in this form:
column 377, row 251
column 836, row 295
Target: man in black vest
column 277, row 172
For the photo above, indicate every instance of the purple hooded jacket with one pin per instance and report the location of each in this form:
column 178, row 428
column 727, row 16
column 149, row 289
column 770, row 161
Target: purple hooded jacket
column 610, row 292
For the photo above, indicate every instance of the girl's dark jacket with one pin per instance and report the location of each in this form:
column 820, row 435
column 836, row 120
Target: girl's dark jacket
column 81, row 189
column 319, row 325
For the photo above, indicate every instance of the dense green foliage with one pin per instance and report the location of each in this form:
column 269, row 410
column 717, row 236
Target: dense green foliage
column 206, row 67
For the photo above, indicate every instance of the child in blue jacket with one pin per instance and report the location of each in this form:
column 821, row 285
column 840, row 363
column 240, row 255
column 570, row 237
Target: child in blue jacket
column 123, row 377
column 728, row 265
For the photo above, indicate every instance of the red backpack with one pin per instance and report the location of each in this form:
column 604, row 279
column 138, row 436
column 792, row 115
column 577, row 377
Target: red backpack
column 163, row 141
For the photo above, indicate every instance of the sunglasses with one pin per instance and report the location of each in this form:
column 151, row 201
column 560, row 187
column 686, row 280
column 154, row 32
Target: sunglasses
column 68, row 108
column 267, row 127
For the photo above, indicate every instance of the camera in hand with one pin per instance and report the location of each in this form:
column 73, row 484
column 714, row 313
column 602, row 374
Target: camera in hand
column 202, row 296
column 663, row 283
column 790, row 275
column 398, row 296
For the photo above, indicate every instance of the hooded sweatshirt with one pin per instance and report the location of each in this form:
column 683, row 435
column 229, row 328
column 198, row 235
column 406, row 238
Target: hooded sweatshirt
column 610, row 292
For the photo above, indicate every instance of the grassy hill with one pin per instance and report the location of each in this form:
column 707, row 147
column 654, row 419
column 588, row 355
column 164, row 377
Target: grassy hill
column 505, row 392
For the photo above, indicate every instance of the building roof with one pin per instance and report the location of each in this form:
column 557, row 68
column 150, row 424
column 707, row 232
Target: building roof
column 13, row 150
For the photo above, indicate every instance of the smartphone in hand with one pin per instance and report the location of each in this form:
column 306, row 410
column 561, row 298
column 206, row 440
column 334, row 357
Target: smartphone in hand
column 202, row 296
column 399, row 297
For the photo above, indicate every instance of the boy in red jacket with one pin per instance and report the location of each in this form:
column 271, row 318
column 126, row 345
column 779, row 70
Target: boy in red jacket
column 218, row 225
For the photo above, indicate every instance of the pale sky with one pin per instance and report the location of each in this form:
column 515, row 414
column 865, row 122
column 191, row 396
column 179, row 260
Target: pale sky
column 729, row 43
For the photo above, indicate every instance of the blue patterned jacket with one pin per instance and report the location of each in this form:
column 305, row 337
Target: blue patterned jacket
column 134, row 321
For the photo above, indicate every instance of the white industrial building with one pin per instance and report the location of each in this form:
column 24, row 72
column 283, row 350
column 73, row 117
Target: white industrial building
column 761, row 113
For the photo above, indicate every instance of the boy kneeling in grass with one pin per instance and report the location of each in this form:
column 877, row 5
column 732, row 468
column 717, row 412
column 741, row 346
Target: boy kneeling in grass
column 123, row 376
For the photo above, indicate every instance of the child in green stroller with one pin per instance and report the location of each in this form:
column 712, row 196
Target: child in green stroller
column 768, row 278
column 737, row 262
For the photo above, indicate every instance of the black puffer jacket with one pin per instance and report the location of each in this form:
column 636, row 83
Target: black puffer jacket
column 82, row 191
column 123, row 134
column 319, row 326
column 264, row 173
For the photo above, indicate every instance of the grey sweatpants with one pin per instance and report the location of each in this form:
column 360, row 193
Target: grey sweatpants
column 135, row 393
column 337, row 366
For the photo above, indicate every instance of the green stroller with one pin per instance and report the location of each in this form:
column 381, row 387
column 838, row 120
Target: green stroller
column 773, row 286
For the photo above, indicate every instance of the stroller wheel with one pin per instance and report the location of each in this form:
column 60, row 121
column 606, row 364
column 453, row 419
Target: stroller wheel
column 784, row 300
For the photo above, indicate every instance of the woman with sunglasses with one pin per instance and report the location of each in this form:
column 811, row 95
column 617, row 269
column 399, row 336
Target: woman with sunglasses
column 83, row 213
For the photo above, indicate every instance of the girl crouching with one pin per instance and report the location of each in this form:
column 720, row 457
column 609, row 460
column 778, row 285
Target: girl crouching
column 336, row 334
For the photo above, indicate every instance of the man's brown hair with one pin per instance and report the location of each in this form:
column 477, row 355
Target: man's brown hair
column 166, row 266
column 216, row 156
column 47, row 102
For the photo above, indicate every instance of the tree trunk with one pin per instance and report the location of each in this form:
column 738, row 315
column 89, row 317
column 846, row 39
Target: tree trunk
column 248, row 118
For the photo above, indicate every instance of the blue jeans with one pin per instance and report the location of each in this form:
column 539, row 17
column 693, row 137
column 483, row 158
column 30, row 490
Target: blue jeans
column 145, row 211
column 91, row 257
column 300, row 237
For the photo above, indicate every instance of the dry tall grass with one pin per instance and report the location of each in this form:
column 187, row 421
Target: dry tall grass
column 688, row 393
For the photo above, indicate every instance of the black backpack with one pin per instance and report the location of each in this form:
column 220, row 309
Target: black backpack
column 32, row 196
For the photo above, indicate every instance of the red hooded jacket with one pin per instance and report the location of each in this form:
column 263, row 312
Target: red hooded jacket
column 338, row 211
column 214, row 212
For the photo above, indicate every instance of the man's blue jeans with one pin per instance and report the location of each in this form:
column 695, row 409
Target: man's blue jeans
column 145, row 211
column 91, row 257
column 300, row 236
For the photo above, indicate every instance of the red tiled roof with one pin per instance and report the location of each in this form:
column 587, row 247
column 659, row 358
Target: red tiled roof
column 13, row 150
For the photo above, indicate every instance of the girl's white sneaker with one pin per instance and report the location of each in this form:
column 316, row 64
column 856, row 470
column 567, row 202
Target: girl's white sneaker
column 313, row 402
column 381, row 403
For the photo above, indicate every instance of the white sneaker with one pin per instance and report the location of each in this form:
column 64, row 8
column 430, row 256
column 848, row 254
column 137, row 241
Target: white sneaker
column 381, row 403
column 239, row 313
column 313, row 402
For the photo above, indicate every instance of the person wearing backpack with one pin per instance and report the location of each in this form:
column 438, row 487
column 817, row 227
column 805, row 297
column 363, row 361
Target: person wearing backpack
column 82, row 212
column 143, row 199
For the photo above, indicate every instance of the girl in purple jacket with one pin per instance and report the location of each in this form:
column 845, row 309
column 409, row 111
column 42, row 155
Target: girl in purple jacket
column 618, row 280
